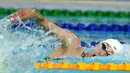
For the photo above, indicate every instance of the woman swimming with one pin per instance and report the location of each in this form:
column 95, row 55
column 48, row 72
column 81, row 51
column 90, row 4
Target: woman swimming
column 71, row 46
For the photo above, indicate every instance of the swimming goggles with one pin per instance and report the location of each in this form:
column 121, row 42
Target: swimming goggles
column 104, row 47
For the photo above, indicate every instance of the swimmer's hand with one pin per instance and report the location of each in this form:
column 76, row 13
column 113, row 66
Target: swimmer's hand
column 25, row 14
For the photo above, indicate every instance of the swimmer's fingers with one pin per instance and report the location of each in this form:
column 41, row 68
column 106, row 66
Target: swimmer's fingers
column 15, row 19
column 29, row 13
column 24, row 14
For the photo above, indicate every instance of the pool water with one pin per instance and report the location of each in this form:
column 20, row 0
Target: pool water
column 21, row 46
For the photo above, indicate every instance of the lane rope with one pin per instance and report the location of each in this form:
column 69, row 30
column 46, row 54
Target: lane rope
column 82, row 66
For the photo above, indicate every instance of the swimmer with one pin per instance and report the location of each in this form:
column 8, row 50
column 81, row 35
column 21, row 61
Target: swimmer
column 71, row 46
column 106, row 47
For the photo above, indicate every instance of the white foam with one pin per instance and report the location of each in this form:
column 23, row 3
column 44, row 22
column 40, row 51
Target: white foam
column 19, row 50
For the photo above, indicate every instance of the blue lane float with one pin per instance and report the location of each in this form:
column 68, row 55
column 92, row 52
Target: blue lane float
column 116, row 27
column 126, row 27
column 104, row 27
column 14, row 26
column 31, row 25
column 93, row 43
column 83, row 44
column 67, row 26
column 92, row 27
column 80, row 26
column 97, row 27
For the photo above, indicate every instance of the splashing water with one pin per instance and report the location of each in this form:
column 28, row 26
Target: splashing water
column 20, row 48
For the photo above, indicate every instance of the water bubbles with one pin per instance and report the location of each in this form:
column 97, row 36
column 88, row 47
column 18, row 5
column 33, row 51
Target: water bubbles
column 19, row 49
column 1, row 37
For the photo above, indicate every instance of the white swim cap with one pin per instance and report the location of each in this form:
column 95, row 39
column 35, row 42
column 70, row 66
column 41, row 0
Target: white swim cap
column 115, row 44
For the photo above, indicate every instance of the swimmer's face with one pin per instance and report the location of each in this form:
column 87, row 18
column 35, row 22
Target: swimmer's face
column 101, row 50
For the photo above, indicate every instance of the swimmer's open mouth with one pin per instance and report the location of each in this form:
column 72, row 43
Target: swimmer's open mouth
column 48, row 58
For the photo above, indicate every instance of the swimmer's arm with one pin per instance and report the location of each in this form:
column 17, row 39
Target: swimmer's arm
column 51, row 26
column 32, row 13
column 57, row 53
column 48, row 25
column 27, row 13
